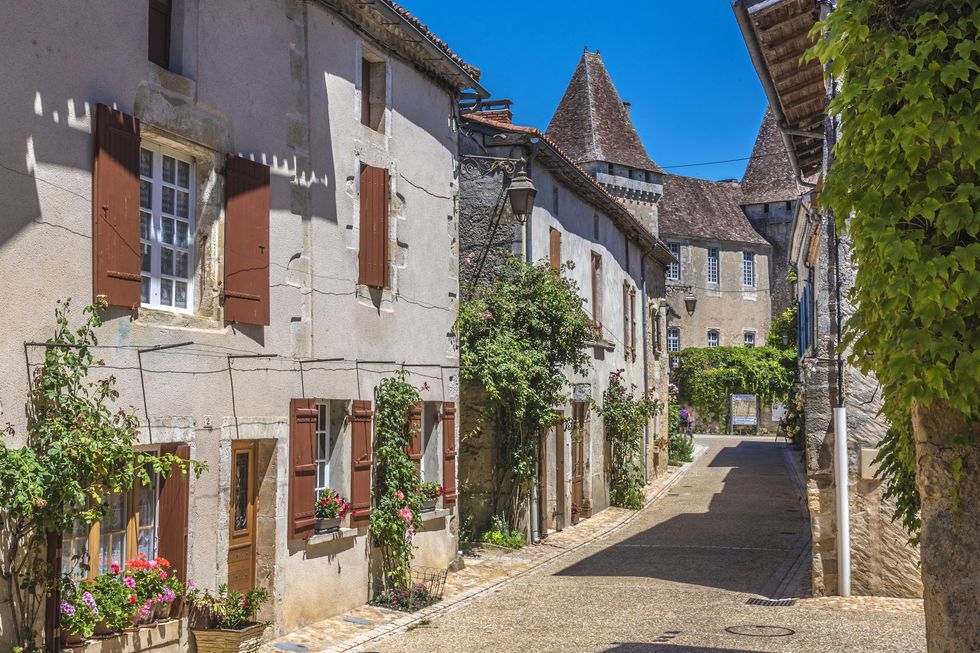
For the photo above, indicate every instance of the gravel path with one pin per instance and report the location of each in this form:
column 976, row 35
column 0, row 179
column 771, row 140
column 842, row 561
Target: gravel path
column 676, row 580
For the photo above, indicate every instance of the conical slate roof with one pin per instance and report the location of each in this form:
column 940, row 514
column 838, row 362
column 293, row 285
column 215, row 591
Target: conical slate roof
column 769, row 175
column 591, row 123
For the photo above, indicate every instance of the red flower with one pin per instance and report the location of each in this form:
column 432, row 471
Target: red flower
column 163, row 574
column 132, row 599
column 115, row 568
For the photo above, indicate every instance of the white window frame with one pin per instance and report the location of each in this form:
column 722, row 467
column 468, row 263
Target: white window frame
column 748, row 338
column 430, row 441
column 748, row 269
column 674, row 269
column 714, row 267
column 326, row 442
column 153, row 238
column 717, row 338
column 673, row 339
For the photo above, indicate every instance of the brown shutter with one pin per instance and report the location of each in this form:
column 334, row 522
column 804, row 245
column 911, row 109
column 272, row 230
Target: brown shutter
column 597, row 291
column 116, row 208
column 158, row 41
column 414, row 446
column 554, row 249
column 52, row 629
column 626, row 320
column 373, row 255
column 361, row 461
column 246, row 291
column 449, row 453
column 302, row 467
column 633, row 321
column 174, row 509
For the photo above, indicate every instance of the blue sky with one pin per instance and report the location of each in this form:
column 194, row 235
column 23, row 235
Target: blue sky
column 683, row 65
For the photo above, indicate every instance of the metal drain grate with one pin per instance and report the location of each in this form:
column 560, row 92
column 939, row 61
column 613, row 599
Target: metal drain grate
column 771, row 603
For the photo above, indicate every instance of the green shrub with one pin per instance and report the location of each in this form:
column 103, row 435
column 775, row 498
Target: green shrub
column 681, row 448
column 501, row 535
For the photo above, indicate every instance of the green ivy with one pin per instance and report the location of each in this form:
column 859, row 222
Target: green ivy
column 624, row 415
column 903, row 185
column 79, row 449
column 783, row 324
column 708, row 376
column 397, row 499
column 516, row 341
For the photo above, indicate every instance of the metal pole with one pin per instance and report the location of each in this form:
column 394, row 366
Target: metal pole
column 843, row 508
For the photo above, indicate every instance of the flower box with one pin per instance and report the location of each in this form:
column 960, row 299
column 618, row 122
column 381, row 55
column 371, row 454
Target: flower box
column 428, row 505
column 245, row 640
column 327, row 524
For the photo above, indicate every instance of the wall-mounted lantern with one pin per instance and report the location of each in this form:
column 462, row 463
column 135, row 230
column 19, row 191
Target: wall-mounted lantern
column 521, row 192
column 690, row 303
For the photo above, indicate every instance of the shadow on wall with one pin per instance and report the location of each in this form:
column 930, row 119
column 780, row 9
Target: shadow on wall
column 748, row 530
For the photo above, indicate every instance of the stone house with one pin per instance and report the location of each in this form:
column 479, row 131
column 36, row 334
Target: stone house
column 881, row 561
column 265, row 192
column 618, row 265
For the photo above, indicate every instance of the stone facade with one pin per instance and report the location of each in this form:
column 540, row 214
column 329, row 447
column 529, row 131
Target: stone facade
column 279, row 83
column 591, row 222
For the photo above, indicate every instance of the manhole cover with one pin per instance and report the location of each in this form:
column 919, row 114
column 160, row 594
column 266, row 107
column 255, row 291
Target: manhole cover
column 760, row 631
column 771, row 603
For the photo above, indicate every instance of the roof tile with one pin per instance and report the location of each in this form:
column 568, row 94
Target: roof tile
column 704, row 210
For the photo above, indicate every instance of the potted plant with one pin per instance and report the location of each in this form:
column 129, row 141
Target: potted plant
column 329, row 511
column 79, row 612
column 144, row 578
column 431, row 491
column 169, row 591
column 225, row 622
column 116, row 601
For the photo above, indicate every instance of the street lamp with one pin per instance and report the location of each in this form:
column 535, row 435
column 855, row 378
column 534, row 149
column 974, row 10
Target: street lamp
column 521, row 192
column 690, row 303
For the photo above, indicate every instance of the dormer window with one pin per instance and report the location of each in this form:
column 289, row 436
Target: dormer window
column 373, row 91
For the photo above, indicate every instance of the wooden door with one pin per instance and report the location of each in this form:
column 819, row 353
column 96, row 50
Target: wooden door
column 543, row 486
column 241, row 516
column 578, row 457
column 560, row 480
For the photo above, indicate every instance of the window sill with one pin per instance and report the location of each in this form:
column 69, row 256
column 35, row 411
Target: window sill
column 438, row 513
column 162, row 318
column 340, row 534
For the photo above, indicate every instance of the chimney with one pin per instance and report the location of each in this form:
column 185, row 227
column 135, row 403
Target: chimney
column 500, row 115
column 627, row 105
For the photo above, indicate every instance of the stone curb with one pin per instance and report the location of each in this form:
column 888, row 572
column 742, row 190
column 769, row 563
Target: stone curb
column 466, row 597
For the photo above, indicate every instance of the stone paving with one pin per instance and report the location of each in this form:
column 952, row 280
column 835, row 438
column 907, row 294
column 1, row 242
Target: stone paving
column 487, row 570
column 674, row 577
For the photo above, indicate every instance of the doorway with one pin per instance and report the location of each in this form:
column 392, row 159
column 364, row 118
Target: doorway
column 560, row 480
column 241, row 517
column 579, row 411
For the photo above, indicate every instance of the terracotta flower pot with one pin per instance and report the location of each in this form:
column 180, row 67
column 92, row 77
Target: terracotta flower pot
column 246, row 640
column 327, row 524
column 161, row 610
column 72, row 640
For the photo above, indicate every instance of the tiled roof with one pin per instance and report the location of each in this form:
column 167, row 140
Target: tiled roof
column 705, row 210
column 613, row 206
column 591, row 123
column 769, row 176
column 442, row 45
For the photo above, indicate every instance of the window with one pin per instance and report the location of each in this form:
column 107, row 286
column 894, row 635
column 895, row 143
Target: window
column 712, row 338
column 554, row 200
column 633, row 342
column 765, row 207
column 609, row 168
column 373, row 93
column 158, row 38
column 748, row 269
column 657, row 331
column 789, row 205
column 373, row 257
column 627, row 339
column 674, row 269
column 329, row 423
column 713, row 265
column 166, row 229
column 595, row 226
column 627, row 249
column 673, row 339
column 597, row 289
column 749, row 338
column 128, row 529
column 431, row 445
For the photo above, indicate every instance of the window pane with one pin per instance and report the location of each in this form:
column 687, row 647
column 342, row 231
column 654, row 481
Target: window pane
column 180, row 295
column 181, row 267
column 241, row 491
column 166, row 261
column 144, row 290
column 145, row 257
column 166, row 292
column 168, row 169
column 145, row 225
column 146, row 194
column 146, row 163
column 167, row 200
column 183, row 200
column 181, row 237
column 167, row 231
column 144, row 543
column 183, row 174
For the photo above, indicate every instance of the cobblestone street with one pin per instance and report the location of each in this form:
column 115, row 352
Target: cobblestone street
column 677, row 577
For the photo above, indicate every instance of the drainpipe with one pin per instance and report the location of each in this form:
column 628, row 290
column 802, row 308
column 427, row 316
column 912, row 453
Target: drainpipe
column 843, row 508
column 646, row 372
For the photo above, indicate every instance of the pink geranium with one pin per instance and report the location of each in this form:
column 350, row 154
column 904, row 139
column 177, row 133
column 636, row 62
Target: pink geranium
column 406, row 514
